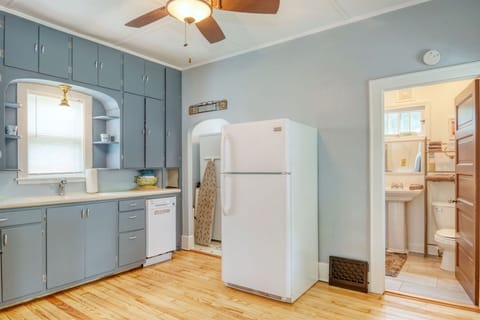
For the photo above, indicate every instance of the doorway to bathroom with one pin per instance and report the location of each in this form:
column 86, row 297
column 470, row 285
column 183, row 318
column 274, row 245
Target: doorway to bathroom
column 205, row 172
column 420, row 194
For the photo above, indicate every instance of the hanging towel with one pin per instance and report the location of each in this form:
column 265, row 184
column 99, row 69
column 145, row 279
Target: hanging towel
column 206, row 206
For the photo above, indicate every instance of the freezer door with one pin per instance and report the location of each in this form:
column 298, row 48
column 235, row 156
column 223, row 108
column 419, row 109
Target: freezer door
column 255, row 147
column 255, row 232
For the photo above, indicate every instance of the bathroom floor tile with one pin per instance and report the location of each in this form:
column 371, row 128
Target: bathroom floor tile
column 422, row 276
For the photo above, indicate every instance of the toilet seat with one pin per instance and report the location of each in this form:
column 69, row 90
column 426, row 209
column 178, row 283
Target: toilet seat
column 445, row 237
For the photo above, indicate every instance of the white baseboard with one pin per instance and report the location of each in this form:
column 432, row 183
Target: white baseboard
column 416, row 247
column 188, row 242
column 323, row 271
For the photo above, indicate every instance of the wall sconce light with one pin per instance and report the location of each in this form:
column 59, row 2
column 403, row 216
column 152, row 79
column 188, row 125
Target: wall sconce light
column 65, row 88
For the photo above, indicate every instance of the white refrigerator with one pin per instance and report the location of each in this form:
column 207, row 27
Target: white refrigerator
column 269, row 202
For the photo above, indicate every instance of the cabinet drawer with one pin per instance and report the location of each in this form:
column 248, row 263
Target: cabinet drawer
column 131, row 247
column 131, row 220
column 20, row 217
column 128, row 205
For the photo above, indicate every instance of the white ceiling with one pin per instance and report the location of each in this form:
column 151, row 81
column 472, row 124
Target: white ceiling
column 163, row 40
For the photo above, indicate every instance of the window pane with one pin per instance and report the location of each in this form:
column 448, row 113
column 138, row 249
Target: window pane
column 405, row 122
column 392, row 121
column 55, row 136
column 416, row 121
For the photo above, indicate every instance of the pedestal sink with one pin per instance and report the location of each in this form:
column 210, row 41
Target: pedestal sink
column 396, row 218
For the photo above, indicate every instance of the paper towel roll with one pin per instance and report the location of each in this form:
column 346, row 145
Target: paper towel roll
column 91, row 180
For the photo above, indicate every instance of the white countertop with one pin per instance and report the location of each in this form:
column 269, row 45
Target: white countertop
column 23, row 202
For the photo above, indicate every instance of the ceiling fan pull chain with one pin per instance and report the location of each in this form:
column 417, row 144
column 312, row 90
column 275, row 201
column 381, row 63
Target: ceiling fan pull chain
column 186, row 40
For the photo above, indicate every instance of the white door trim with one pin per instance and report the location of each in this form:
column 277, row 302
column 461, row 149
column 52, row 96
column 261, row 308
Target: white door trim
column 377, row 161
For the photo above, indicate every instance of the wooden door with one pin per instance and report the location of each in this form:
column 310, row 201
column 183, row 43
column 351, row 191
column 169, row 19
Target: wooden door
column 466, row 182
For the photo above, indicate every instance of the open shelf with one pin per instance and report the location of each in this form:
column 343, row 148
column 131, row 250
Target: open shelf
column 101, row 142
column 9, row 136
column 105, row 117
column 12, row 105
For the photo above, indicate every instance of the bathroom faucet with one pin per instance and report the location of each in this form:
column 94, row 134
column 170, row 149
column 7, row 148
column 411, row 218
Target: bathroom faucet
column 397, row 185
column 61, row 187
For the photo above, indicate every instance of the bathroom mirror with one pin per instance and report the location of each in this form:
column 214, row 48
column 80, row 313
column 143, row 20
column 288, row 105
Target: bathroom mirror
column 405, row 156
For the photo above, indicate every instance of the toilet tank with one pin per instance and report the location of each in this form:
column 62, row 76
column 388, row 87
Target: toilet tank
column 444, row 214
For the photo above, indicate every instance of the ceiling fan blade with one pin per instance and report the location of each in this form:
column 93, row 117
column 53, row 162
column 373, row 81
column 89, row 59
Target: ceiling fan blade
column 148, row 18
column 250, row 6
column 210, row 30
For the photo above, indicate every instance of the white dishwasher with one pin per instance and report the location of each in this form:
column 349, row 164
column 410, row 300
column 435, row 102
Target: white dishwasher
column 161, row 229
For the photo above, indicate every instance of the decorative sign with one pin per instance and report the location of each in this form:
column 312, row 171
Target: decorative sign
column 207, row 107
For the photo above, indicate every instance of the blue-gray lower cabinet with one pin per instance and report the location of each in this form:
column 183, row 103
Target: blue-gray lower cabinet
column 155, row 133
column 100, row 238
column 81, row 242
column 65, row 245
column 131, row 247
column 133, row 131
column 173, row 123
column 22, row 261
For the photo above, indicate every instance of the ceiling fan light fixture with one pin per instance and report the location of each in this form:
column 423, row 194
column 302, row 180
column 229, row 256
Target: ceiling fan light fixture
column 189, row 10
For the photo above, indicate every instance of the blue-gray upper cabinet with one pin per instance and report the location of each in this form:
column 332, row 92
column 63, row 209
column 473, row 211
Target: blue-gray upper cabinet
column 22, row 261
column 173, row 103
column 155, row 133
column 133, row 131
column 81, row 242
column 36, row 48
column 96, row 64
column 144, row 77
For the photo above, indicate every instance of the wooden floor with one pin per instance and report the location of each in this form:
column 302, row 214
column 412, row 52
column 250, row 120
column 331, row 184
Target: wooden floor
column 190, row 287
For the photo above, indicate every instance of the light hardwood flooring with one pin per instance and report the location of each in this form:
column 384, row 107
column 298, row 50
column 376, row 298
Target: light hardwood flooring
column 422, row 276
column 190, row 287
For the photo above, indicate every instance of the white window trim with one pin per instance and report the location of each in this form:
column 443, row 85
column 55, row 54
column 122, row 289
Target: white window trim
column 23, row 89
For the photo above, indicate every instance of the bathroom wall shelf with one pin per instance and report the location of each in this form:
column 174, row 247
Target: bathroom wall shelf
column 105, row 118
column 12, row 105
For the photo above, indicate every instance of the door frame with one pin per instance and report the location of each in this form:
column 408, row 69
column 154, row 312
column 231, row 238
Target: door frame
column 377, row 149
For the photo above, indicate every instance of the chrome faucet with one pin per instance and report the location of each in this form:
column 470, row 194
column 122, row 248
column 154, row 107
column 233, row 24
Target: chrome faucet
column 61, row 187
column 397, row 185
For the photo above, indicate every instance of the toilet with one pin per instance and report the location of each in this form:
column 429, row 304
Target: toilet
column 444, row 214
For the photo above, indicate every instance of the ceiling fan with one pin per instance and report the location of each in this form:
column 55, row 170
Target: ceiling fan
column 200, row 13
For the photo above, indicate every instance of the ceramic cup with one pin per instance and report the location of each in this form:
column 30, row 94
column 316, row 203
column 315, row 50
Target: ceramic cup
column 11, row 130
column 104, row 137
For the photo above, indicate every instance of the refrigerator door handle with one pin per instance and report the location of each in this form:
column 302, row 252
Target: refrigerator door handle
column 225, row 152
column 224, row 190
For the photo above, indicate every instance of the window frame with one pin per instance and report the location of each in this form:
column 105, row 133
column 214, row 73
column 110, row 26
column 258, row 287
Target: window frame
column 23, row 176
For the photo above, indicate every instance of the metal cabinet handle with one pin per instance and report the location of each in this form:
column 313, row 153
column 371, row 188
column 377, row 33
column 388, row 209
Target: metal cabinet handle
column 132, row 217
column 82, row 214
column 149, row 131
column 3, row 219
column 132, row 238
column 88, row 213
column 5, row 240
column 132, row 204
column 35, row 47
column 96, row 64
column 101, row 65
column 42, row 49
column 143, row 131
column 146, row 78
column 143, row 78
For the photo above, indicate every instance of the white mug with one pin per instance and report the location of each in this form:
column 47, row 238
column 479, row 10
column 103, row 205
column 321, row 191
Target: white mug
column 104, row 137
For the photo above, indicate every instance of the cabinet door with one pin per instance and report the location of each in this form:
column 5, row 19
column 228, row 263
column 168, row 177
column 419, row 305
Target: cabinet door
column 53, row 59
column 100, row 238
column 22, row 261
column 65, row 245
column 134, row 72
column 133, row 131
column 110, row 68
column 21, row 43
column 173, row 104
column 155, row 134
column 154, row 80
column 85, row 61
column 131, row 247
